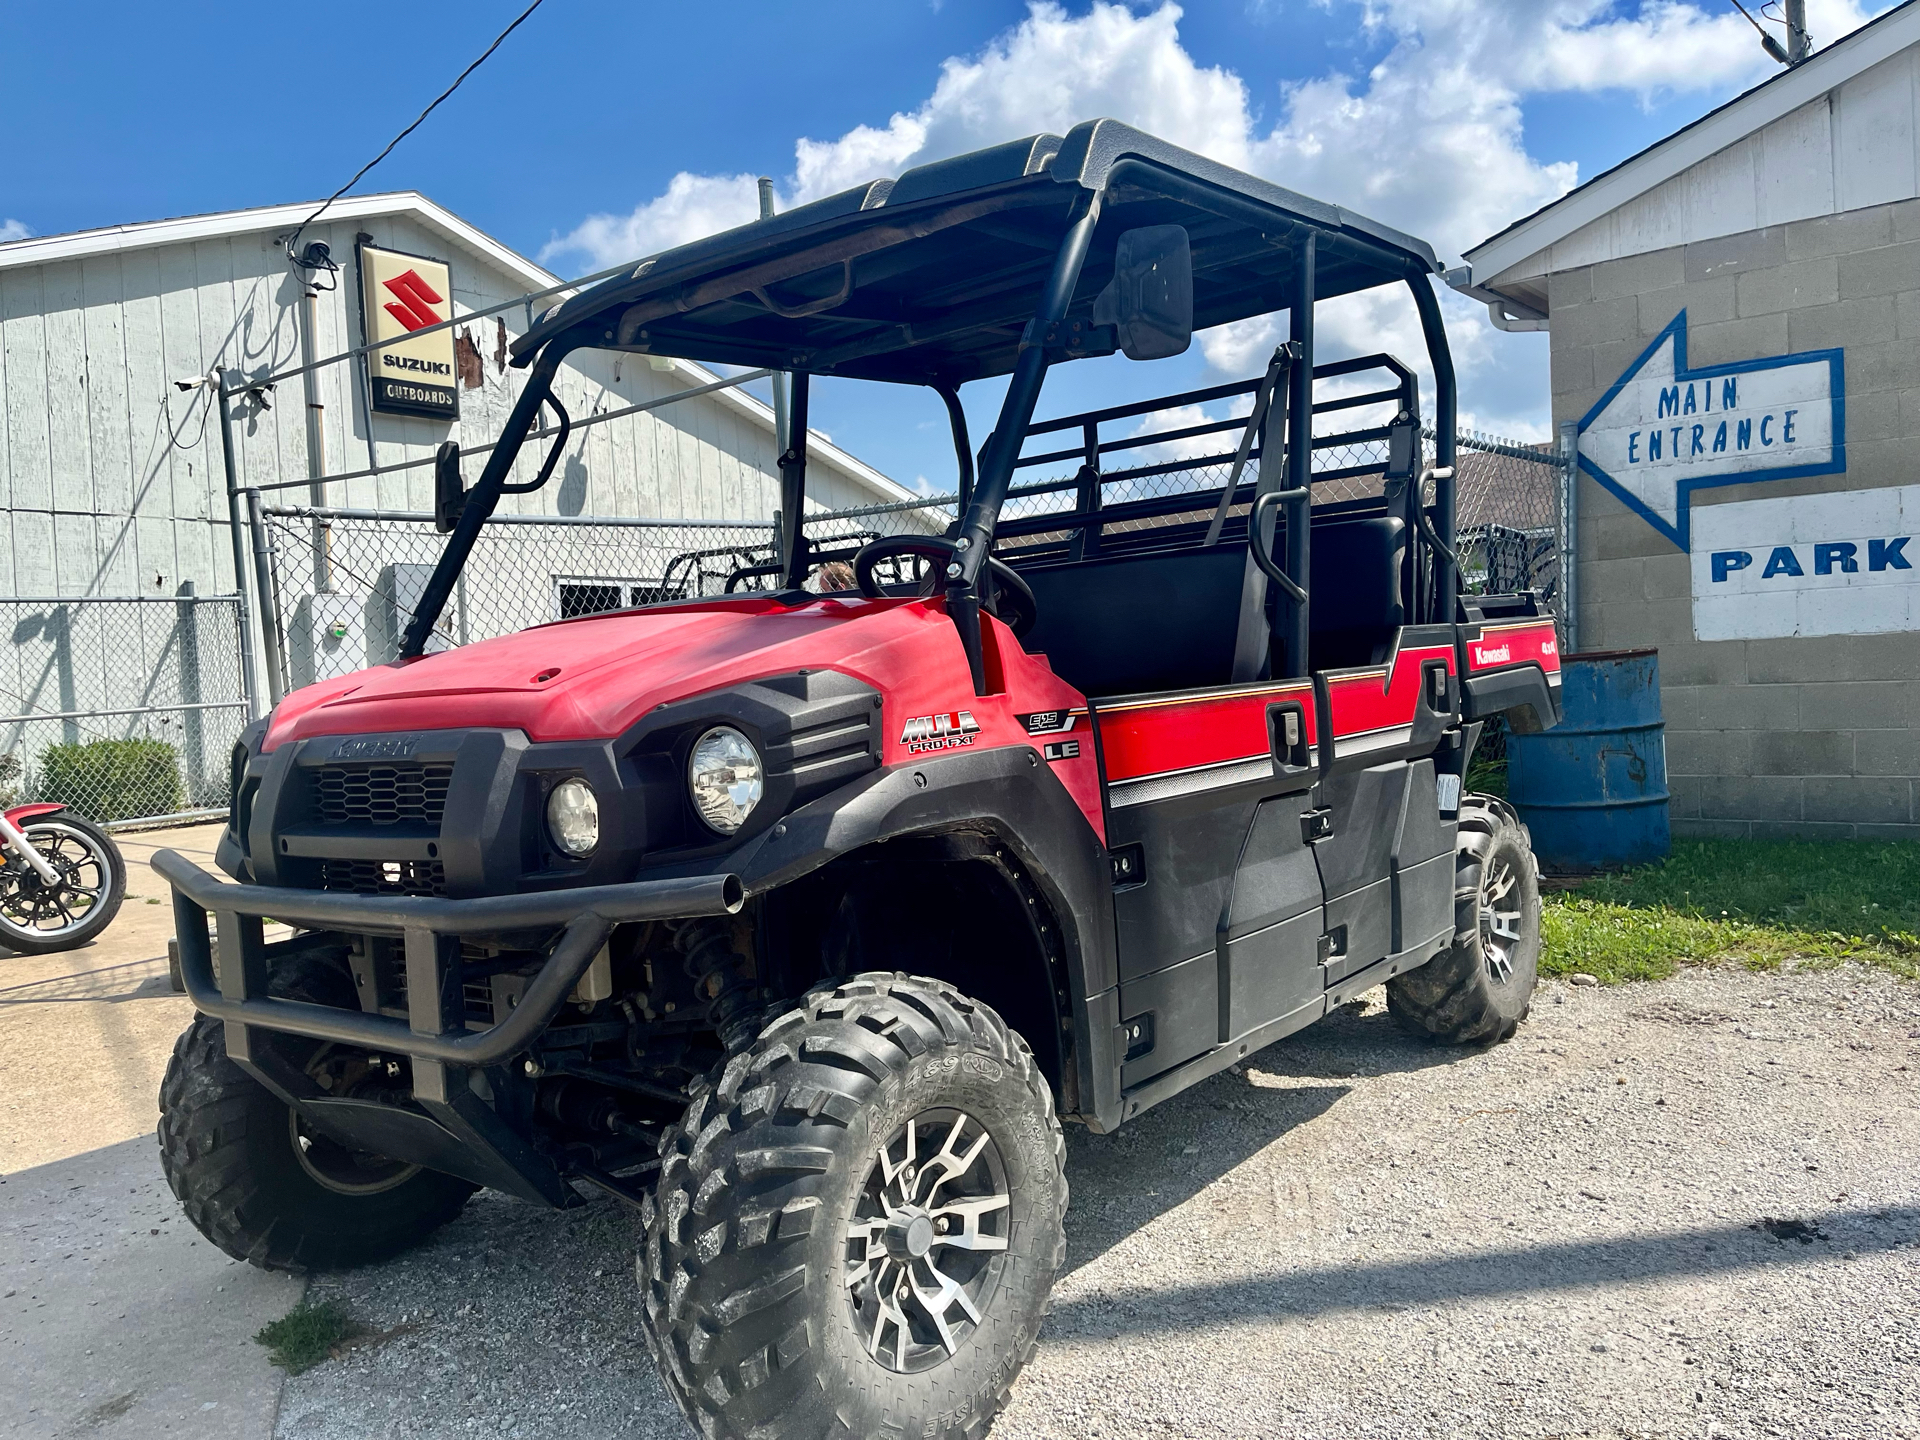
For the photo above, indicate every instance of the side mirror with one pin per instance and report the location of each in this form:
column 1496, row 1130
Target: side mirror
column 1149, row 301
column 449, row 490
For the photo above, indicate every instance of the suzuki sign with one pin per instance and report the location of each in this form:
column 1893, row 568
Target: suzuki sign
column 402, row 294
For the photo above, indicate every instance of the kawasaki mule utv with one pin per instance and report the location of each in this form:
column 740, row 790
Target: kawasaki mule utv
column 800, row 920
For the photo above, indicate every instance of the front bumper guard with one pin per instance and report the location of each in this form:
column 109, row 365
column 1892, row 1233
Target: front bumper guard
column 435, row 1029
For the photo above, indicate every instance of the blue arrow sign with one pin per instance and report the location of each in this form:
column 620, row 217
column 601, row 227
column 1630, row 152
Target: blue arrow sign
column 1663, row 431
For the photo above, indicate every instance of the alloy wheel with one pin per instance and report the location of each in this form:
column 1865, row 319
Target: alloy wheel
column 1499, row 917
column 927, row 1240
column 45, row 910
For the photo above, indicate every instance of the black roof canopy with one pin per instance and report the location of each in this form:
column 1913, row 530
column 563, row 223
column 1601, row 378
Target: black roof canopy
column 930, row 279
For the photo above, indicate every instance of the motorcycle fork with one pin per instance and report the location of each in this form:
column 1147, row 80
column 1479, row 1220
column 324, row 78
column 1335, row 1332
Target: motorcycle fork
column 13, row 838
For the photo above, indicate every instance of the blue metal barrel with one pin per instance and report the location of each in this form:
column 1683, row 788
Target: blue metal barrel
column 1593, row 790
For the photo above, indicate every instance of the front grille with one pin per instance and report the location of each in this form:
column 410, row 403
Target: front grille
column 382, row 794
column 384, row 877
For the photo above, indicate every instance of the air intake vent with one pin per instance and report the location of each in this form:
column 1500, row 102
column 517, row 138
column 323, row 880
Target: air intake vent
column 382, row 794
column 384, row 877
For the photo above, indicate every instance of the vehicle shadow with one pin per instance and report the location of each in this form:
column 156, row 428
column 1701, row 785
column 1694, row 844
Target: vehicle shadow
column 516, row 1291
column 134, row 980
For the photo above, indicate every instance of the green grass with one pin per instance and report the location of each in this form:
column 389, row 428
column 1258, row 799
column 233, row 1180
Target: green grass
column 1762, row 904
column 306, row 1335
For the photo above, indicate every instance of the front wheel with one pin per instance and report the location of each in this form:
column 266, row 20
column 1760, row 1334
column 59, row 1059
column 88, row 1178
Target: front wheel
column 1481, row 988
column 265, row 1186
column 858, row 1224
column 40, row 917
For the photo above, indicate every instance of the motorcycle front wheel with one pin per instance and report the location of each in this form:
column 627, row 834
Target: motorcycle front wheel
column 38, row 917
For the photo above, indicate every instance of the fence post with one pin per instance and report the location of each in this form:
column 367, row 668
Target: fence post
column 249, row 676
column 265, row 578
column 193, row 738
column 1570, row 530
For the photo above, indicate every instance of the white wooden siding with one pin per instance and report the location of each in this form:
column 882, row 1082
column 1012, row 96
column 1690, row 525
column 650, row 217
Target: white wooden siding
column 111, row 480
column 1855, row 146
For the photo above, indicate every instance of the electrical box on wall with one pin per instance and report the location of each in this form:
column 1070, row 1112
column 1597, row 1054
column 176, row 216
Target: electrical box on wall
column 391, row 606
column 328, row 637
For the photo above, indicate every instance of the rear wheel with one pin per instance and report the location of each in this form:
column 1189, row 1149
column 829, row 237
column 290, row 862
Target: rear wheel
column 265, row 1186
column 1480, row 989
column 858, row 1223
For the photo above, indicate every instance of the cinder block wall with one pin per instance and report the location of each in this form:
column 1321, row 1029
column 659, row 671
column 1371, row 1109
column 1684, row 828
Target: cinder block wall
column 1810, row 736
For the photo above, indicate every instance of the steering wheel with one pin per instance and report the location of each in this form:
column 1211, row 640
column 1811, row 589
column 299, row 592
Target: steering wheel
column 1008, row 598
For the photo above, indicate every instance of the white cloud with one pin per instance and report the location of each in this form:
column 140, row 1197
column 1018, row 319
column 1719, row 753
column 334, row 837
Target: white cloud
column 11, row 229
column 1429, row 140
column 694, row 205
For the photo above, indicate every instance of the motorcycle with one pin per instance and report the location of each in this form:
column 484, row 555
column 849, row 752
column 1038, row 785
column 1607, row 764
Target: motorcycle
column 61, row 881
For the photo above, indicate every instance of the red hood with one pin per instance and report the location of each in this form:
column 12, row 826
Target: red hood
column 593, row 677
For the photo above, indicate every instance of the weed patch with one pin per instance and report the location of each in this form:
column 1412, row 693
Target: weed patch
column 306, row 1335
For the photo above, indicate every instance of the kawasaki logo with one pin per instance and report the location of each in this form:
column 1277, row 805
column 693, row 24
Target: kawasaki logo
column 416, row 301
column 384, row 747
column 939, row 732
column 1492, row 654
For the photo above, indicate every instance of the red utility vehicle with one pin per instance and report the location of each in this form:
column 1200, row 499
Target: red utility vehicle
column 802, row 920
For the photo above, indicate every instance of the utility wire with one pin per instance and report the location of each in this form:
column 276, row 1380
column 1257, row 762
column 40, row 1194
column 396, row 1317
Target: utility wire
column 1775, row 50
column 414, row 126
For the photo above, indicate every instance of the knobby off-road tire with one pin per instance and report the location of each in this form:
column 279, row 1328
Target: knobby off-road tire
column 1480, row 990
column 765, row 1285
column 229, row 1149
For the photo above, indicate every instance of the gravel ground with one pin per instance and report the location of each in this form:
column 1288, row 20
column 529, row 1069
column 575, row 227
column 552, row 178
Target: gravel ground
column 1682, row 1209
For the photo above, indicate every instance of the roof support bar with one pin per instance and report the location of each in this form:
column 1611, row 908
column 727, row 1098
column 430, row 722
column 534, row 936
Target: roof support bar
column 793, row 488
column 1446, row 415
column 484, row 496
column 1009, row 432
column 1300, row 458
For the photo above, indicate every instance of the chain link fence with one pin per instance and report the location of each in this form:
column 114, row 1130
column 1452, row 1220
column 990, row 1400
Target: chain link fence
column 345, row 581
column 124, row 708
column 1509, row 517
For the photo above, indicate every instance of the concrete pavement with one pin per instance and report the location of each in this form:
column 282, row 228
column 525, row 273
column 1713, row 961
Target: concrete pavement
column 116, row 1317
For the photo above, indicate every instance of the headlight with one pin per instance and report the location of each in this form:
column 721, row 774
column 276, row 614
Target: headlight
column 725, row 778
column 573, row 817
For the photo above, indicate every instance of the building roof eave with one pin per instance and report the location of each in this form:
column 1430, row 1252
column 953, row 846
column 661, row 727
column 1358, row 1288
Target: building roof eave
column 1879, row 39
column 80, row 244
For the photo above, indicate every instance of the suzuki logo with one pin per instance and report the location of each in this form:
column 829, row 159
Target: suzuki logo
column 417, row 299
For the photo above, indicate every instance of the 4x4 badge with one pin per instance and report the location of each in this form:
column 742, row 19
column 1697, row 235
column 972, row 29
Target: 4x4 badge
column 939, row 732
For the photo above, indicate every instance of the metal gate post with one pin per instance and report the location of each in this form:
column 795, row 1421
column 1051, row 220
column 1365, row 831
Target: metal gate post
column 249, row 673
column 1570, row 531
column 265, row 580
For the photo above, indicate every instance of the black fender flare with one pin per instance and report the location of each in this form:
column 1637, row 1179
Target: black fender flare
column 1012, row 792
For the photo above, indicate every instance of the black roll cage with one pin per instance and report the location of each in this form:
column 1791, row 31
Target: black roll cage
column 1297, row 238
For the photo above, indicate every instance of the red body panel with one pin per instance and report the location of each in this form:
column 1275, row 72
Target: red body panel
column 1168, row 734
column 1372, row 708
column 592, row 678
column 1519, row 643
column 20, row 814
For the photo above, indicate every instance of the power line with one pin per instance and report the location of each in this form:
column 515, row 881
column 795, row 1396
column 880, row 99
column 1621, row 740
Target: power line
column 1775, row 50
column 413, row 127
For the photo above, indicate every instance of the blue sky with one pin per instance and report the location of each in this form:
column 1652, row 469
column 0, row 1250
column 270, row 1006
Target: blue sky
column 1445, row 117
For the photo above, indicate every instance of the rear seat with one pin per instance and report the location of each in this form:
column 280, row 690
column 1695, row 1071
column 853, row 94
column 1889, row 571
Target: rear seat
column 1136, row 624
